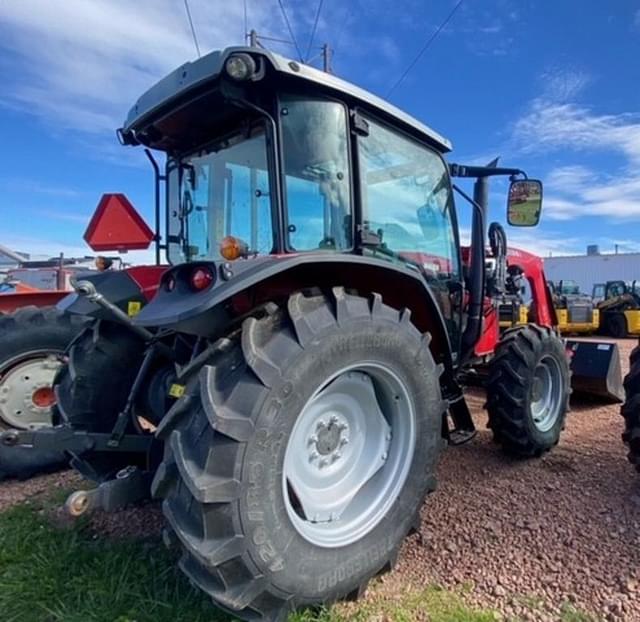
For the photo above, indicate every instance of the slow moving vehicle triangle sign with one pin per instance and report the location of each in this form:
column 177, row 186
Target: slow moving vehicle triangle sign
column 117, row 226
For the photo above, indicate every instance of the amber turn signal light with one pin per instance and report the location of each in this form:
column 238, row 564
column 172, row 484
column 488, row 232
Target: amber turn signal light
column 233, row 248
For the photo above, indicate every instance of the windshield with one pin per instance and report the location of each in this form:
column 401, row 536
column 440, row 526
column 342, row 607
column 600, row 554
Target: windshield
column 220, row 191
column 570, row 288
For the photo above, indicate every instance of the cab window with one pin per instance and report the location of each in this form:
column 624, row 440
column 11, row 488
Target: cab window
column 407, row 200
column 317, row 180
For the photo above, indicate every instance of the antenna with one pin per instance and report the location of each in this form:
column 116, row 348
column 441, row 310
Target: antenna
column 193, row 30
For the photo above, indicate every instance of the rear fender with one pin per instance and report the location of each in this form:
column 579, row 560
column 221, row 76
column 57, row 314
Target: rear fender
column 260, row 280
column 129, row 290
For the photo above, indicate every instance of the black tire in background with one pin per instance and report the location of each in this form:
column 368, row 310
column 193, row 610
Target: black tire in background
column 616, row 325
column 32, row 334
column 93, row 387
column 521, row 419
column 226, row 442
column 630, row 410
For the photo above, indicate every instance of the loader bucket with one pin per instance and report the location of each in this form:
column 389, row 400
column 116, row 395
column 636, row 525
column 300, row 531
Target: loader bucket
column 595, row 367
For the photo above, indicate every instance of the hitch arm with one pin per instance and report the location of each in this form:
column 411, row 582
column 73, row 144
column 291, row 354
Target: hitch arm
column 63, row 438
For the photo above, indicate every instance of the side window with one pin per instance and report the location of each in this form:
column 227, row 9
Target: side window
column 598, row 291
column 407, row 200
column 316, row 167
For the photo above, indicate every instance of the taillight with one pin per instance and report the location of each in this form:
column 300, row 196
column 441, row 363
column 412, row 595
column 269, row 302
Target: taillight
column 201, row 278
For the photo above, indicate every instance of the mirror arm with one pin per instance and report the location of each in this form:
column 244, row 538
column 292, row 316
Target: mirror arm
column 461, row 170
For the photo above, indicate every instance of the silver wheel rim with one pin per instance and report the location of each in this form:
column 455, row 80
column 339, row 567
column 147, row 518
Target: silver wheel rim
column 349, row 455
column 547, row 394
column 20, row 380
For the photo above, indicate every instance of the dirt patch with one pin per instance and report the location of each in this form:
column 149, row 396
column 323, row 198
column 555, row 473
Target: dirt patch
column 15, row 491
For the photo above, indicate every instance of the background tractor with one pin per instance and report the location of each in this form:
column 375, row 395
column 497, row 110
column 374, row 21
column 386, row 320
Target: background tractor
column 35, row 335
column 575, row 310
column 619, row 305
column 291, row 383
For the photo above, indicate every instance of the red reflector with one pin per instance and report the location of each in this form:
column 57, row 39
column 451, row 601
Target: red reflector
column 201, row 278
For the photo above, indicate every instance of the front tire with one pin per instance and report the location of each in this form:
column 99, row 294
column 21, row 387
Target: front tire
column 244, row 496
column 528, row 390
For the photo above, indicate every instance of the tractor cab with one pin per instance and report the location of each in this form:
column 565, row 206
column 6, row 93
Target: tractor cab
column 275, row 163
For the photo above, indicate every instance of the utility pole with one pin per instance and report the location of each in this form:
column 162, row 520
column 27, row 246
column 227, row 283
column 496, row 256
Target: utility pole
column 253, row 38
column 327, row 54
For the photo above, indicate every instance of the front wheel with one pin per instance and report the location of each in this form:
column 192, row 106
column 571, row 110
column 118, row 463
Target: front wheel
column 528, row 390
column 300, row 455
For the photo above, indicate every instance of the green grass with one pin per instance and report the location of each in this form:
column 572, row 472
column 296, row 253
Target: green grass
column 63, row 574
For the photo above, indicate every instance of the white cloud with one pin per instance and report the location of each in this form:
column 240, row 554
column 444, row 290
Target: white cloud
column 560, row 85
column 544, row 244
column 80, row 65
column 550, row 126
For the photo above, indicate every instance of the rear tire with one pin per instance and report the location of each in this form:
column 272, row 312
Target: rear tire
column 630, row 410
column 244, row 532
column 528, row 390
column 93, row 387
column 32, row 344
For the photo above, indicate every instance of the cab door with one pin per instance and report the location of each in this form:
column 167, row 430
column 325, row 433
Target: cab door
column 407, row 202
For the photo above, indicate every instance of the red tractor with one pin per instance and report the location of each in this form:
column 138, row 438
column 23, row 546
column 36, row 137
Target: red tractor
column 34, row 334
column 291, row 384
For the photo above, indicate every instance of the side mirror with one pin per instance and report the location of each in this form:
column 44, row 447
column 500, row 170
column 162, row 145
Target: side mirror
column 117, row 226
column 524, row 203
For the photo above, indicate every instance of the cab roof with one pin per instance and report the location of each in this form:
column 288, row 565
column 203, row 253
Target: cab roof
column 195, row 75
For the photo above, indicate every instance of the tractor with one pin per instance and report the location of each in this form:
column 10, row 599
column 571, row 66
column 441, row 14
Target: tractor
column 35, row 335
column 33, row 338
column 291, row 384
column 619, row 305
column 575, row 310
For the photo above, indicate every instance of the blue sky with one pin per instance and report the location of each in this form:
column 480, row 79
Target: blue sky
column 552, row 87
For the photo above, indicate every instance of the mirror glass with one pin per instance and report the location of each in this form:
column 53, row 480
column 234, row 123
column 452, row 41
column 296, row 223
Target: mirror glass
column 524, row 203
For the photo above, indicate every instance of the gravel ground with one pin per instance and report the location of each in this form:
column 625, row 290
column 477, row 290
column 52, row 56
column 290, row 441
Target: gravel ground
column 524, row 537
column 527, row 537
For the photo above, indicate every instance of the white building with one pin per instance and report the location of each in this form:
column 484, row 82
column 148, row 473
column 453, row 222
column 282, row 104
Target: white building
column 592, row 268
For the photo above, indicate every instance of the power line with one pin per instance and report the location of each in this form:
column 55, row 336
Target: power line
column 293, row 37
column 313, row 31
column 425, row 47
column 193, row 30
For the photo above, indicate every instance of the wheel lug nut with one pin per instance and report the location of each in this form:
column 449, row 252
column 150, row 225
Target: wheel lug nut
column 323, row 463
column 344, row 441
column 313, row 439
column 333, row 419
column 313, row 456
